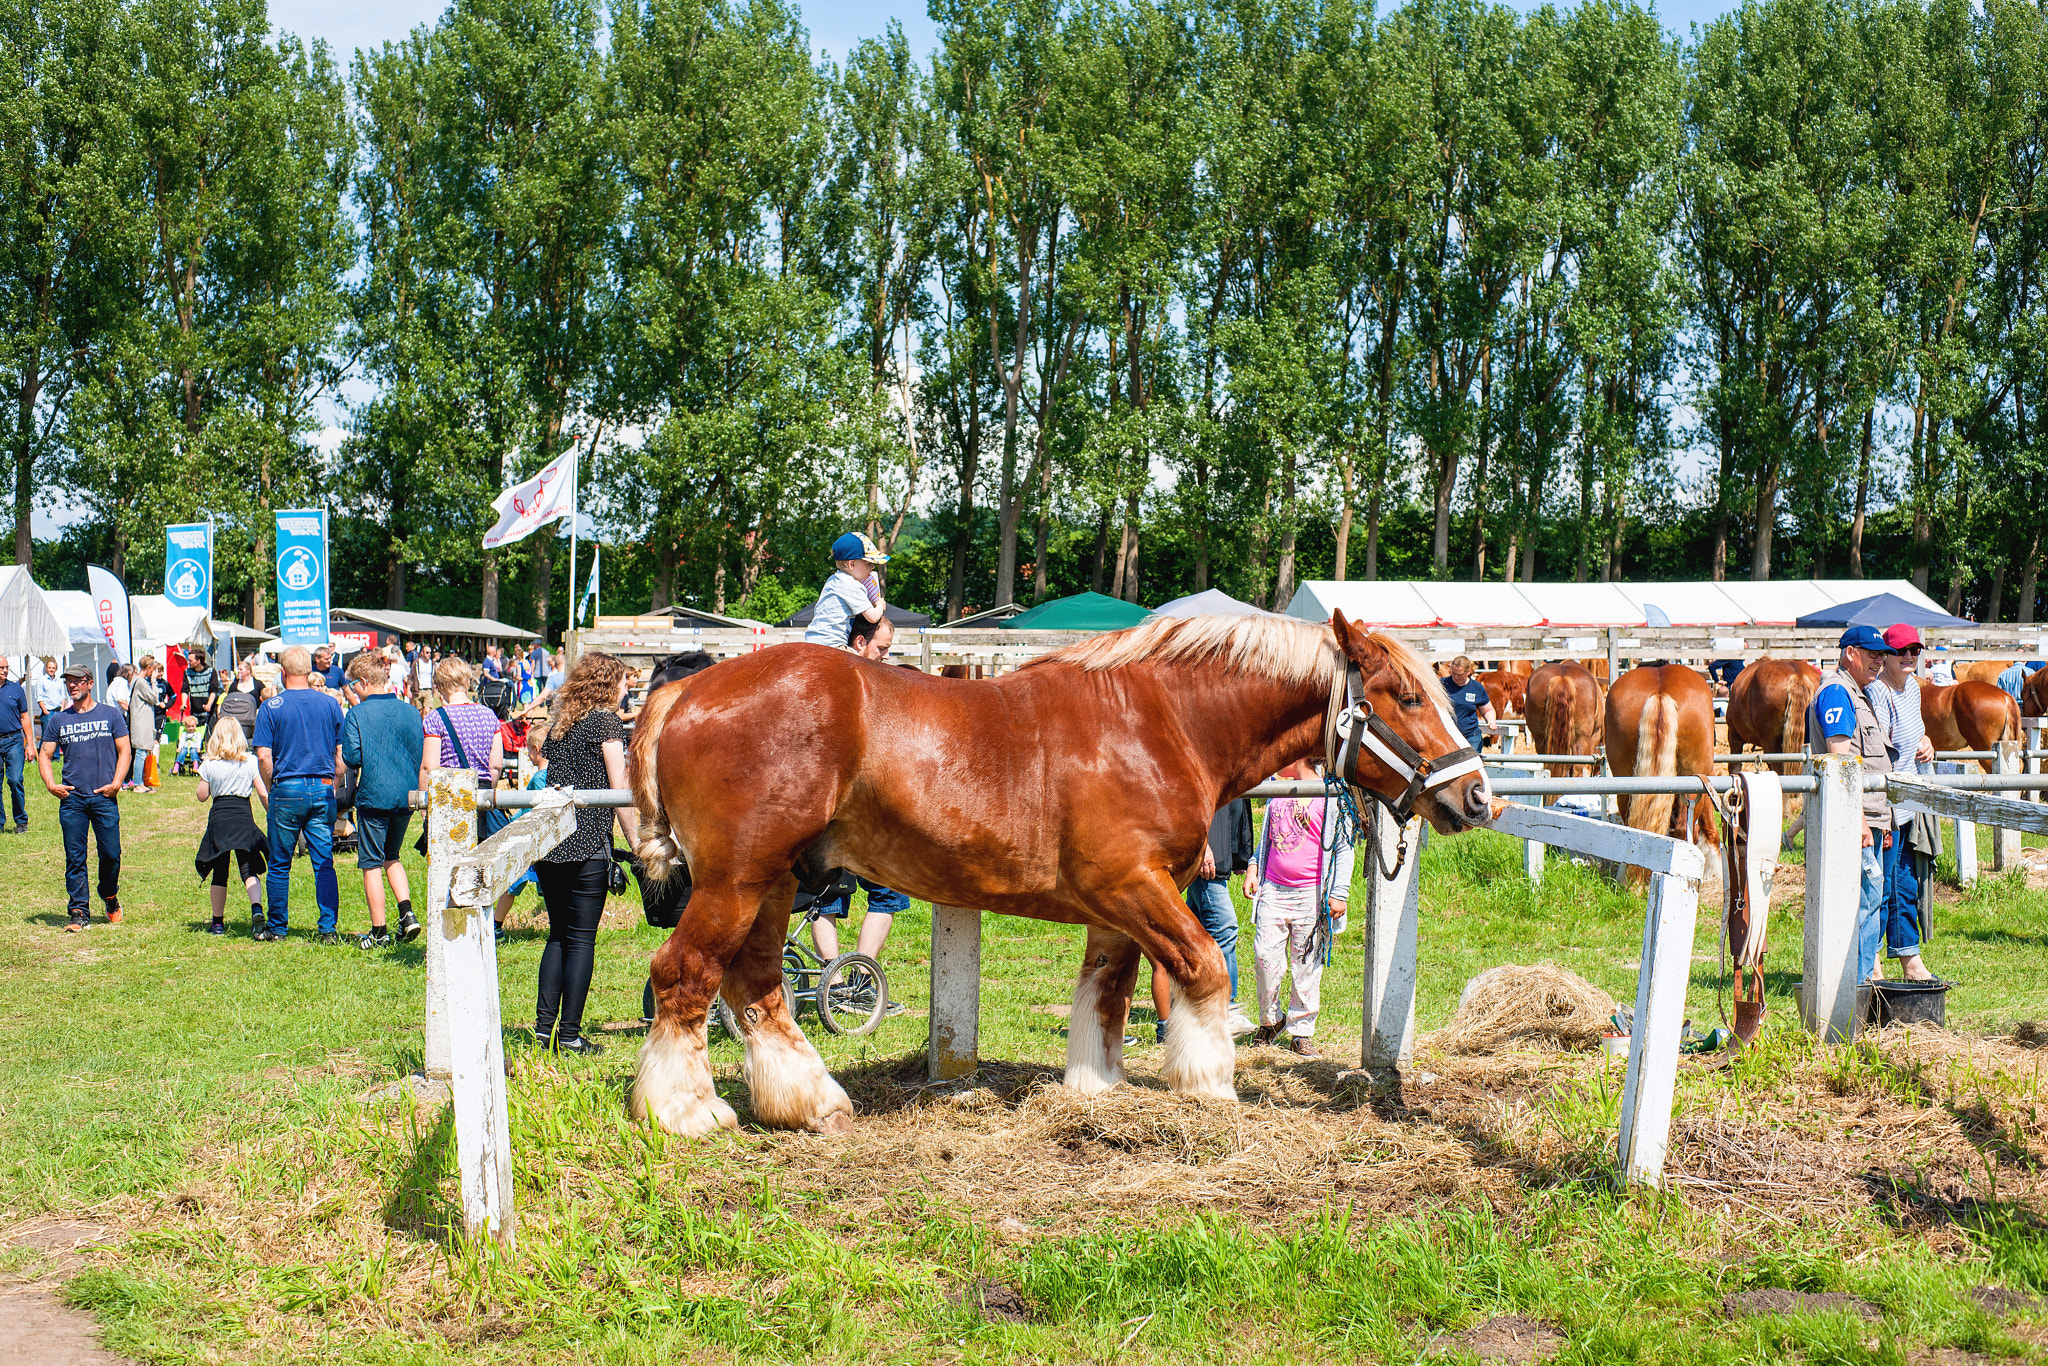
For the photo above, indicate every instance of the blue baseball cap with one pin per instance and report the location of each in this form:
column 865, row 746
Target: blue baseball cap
column 1866, row 638
column 855, row 546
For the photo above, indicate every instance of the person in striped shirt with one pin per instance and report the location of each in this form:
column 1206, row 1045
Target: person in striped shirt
column 1895, row 696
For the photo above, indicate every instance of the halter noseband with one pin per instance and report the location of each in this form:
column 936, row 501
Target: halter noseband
column 1394, row 754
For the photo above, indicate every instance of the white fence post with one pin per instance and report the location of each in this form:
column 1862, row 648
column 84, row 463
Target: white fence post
column 1834, row 894
column 953, row 1044
column 483, row 1136
column 1966, row 852
column 1392, row 911
column 2005, row 841
column 2034, row 733
column 451, row 831
column 1668, row 923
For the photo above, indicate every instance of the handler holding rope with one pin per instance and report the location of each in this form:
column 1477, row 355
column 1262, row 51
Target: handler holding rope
column 1304, row 858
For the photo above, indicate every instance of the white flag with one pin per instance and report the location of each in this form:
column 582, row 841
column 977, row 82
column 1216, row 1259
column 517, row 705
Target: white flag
column 110, row 609
column 525, row 508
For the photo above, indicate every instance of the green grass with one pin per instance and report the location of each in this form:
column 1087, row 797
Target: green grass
column 203, row 1094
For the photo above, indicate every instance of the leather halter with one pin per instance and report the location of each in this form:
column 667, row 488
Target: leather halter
column 1394, row 754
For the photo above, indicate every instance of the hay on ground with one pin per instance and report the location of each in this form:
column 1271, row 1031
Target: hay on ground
column 1542, row 1006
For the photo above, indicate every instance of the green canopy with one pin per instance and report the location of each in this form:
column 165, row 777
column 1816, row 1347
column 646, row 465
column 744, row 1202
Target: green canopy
column 1082, row 612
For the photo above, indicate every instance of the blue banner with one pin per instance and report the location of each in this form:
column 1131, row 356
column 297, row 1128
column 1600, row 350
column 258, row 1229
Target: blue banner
column 302, row 576
column 188, row 566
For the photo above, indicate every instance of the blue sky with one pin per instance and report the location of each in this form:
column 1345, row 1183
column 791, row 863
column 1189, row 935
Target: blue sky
column 835, row 27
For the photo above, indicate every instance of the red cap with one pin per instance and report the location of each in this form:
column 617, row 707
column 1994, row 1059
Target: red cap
column 1900, row 636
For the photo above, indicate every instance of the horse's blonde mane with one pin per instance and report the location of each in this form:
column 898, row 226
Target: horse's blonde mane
column 1281, row 648
column 1406, row 661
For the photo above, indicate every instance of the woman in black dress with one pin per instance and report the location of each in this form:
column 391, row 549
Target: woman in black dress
column 585, row 748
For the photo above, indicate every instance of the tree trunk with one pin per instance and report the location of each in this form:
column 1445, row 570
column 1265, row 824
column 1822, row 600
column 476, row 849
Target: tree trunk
column 718, row 585
column 1101, row 550
column 1766, row 521
column 543, row 580
column 1722, row 502
column 1995, row 609
column 1479, row 473
column 25, row 456
column 1283, row 581
column 2030, row 573
column 1862, row 497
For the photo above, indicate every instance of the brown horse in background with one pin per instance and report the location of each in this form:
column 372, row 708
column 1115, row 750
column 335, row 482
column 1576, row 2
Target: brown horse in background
column 1981, row 670
column 1509, row 691
column 1767, row 707
column 1077, row 789
column 1660, row 724
column 2034, row 694
column 1970, row 715
column 1565, row 716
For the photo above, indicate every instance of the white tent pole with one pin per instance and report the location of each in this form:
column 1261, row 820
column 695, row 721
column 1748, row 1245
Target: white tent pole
column 575, row 471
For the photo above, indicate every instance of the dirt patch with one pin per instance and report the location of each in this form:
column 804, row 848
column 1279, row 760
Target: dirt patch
column 1953, row 1356
column 36, row 1329
column 1759, row 1303
column 2001, row 1302
column 1509, row 1338
column 994, row 1301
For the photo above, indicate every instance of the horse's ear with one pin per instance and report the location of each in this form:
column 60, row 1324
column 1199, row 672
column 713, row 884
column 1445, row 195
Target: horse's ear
column 1351, row 637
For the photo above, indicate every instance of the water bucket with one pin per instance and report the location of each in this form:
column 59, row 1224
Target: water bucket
column 1911, row 1003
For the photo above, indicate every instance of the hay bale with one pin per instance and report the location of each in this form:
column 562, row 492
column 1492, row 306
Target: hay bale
column 1542, row 1006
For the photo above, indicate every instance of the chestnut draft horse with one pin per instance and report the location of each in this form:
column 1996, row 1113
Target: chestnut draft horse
column 1509, row 691
column 1660, row 724
column 1077, row 789
column 1767, row 708
column 1565, row 716
column 2034, row 694
column 1969, row 715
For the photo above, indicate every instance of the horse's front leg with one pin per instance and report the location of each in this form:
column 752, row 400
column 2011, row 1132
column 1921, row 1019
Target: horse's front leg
column 1102, row 1009
column 674, row 1085
column 791, row 1088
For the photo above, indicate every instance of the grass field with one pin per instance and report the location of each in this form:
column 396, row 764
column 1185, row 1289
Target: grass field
column 205, row 1098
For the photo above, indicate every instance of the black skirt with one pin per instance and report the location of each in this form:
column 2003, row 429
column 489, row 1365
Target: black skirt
column 230, row 827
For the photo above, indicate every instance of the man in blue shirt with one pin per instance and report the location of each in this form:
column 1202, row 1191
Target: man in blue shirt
column 298, row 743
column 14, row 743
column 1470, row 704
column 328, row 667
column 1842, row 721
column 92, row 739
column 2014, row 679
column 384, row 739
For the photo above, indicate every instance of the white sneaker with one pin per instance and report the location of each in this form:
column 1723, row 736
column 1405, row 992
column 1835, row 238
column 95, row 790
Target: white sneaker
column 1240, row 1023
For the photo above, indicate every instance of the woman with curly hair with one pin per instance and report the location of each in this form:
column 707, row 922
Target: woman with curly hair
column 585, row 748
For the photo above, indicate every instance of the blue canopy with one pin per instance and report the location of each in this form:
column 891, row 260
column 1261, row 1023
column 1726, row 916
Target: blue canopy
column 1886, row 609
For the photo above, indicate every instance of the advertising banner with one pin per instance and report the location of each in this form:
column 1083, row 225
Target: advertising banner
column 110, row 609
column 188, row 566
column 302, row 576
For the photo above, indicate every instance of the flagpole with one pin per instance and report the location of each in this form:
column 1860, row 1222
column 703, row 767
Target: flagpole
column 575, row 470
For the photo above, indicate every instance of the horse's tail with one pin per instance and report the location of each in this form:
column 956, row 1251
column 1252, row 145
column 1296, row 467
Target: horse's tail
column 1656, row 757
column 1558, row 732
column 656, row 845
column 1800, row 691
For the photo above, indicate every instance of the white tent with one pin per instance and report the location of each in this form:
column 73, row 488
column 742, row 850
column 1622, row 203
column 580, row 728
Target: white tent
column 1686, row 604
column 1855, row 590
column 1381, row 602
column 1208, row 602
column 28, row 626
column 1479, row 604
column 161, row 623
column 1777, row 602
column 1582, row 604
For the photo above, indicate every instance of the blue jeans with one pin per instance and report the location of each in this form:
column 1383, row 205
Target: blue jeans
column 881, row 901
column 11, row 756
column 1901, row 899
column 1870, row 917
column 102, row 815
column 302, row 805
column 1209, row 899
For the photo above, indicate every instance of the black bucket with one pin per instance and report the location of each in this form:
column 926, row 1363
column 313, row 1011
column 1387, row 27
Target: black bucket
column 1911, row 1003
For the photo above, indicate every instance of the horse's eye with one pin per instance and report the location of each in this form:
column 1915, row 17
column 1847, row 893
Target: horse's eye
column 1411, row 700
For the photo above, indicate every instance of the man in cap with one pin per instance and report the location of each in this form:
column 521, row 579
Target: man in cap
column 1842, row 721
column 1895, row 697
column 92, row 739
column 854, row 590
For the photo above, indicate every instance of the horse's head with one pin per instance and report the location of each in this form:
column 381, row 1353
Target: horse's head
column 1410, row 704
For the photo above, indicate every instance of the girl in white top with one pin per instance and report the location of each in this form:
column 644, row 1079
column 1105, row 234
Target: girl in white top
column 228, row 776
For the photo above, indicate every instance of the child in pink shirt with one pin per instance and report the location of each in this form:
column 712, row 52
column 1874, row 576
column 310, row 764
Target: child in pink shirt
column 1304, row 853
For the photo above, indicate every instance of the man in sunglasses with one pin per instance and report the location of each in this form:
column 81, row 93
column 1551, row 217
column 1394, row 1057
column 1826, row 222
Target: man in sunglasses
column 1842, row 721
column 1895, row 697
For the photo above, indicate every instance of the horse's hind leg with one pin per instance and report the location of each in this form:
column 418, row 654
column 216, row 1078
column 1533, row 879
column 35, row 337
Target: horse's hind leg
column 1102, row 1007
column 674, row 1083
column 790, row 1086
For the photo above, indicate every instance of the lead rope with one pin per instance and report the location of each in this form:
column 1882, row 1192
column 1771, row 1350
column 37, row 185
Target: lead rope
column 1349, row 826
